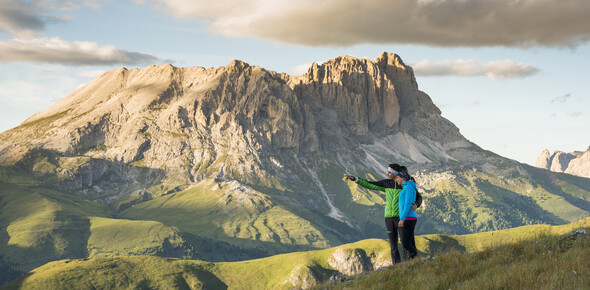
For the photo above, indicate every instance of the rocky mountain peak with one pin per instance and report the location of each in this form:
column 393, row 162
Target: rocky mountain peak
column 237, row 66
column 387, row 58
column 544, row 159
column 576, row 163
column 237, row 121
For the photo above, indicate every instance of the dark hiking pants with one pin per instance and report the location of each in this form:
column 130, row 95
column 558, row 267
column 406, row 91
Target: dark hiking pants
column 408, row 241
column 391, row 224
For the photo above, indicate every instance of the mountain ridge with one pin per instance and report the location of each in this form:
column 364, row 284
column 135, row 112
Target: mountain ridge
column 576, row 163
column 126, row 111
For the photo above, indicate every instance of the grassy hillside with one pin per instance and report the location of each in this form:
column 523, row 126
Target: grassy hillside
column 470, row 201
column 535, row 256
column 264, row 222
column 229, row 221
column 114, row 237
column 240, row 217
column 544, row 262
column 39, row 224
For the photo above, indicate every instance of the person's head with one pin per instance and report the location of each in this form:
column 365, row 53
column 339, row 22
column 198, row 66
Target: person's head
column 398, row 173
column 405, row 170
column 391, row 170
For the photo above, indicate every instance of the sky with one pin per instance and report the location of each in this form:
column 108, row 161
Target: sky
column 512, row 75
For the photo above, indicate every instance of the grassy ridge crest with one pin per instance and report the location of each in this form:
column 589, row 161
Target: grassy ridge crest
column 546, row 261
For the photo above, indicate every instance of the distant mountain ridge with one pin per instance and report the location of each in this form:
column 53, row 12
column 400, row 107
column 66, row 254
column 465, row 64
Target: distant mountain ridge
column 576, row 163
column 238, row 162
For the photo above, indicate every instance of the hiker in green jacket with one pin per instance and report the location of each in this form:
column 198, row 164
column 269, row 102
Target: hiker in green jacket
column 392, row 190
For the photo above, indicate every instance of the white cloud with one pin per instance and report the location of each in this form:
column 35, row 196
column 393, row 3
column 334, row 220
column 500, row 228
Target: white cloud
column 494, row 71
column 55, row 50
column 429, row 22
column 507, row 69
column 25, row 19
column 91, row 73
column 299, row 70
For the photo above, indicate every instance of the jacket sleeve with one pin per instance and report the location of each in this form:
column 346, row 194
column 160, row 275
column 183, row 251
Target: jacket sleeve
column 375, row 185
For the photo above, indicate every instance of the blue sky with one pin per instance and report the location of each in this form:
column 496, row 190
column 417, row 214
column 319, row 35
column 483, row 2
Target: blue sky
column 512, row 75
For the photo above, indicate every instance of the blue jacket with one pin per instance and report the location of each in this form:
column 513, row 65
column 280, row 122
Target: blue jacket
column 406, row 197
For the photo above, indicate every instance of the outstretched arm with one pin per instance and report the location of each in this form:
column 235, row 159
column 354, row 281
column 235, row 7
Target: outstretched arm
column 374, row 185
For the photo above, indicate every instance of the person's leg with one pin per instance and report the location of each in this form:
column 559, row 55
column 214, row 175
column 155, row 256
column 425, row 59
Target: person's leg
column 396, row 253
column 408, row 241
column 396, row 234
column 391, row 224
column 403, row 238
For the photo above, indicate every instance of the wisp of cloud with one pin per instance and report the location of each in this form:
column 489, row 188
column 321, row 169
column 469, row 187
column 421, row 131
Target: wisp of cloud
column 494, row 71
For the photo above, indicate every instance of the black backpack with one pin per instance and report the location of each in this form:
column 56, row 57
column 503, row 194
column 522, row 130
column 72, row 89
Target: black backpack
column 418, row 201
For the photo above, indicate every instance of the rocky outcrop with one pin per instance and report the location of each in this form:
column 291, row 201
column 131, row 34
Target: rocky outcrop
column 370, row 98
column 543, row 160
column 302, row 277
column 350, row 261
column 347, row 261
column 576, row 163
column 358, row 90
column 560, row 161
column 580, row 165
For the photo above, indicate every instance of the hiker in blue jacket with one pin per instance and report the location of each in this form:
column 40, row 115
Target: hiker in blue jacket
column 407, row 214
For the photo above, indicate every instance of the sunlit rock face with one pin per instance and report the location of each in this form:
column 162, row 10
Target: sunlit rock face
column 575, row 163
column 236, row 122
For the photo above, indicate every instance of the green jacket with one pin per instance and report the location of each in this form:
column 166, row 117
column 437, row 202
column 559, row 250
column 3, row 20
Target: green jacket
column 391, row 189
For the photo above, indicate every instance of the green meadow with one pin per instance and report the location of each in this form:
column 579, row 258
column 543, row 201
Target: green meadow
column 229, row 221
column 538, row 256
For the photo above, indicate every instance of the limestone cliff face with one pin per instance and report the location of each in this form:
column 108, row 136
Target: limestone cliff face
column 237, row 122
column 576, row 163
column 374, row 98
column 543, row 160
column 358, row 90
